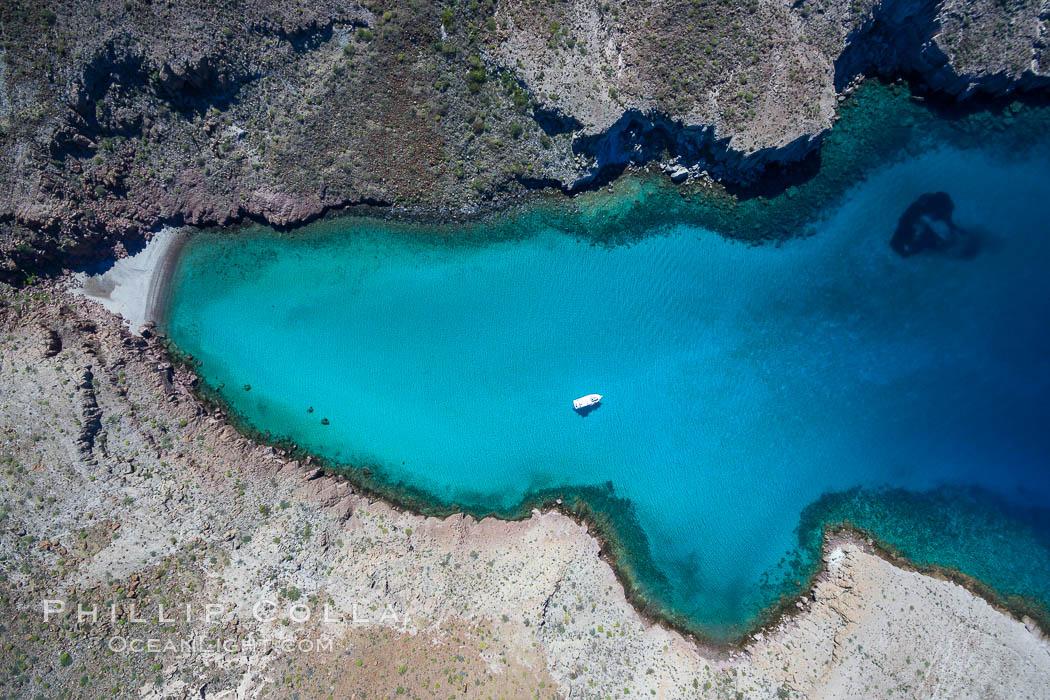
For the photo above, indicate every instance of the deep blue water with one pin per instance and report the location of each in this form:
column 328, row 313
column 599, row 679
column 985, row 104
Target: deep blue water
column 743, row 384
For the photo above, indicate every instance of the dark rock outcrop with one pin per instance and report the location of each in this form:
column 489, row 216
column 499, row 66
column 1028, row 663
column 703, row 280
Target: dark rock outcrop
column 944, row 46
column 90, row 416
column 639, row 138
column 52, row 343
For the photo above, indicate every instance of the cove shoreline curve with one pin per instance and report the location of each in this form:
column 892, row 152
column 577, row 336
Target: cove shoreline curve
column 583, row 507
column 573, row 504
column 593, row 504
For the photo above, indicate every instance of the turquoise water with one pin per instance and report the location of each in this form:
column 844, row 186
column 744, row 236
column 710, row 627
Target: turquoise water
column 748, row 389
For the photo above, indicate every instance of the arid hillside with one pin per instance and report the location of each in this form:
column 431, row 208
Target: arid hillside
column 119, row 116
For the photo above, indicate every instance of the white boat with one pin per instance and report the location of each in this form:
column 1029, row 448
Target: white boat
column 586, row 401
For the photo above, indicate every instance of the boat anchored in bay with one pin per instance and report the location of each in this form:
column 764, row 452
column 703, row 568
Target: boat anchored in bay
column 585, row 402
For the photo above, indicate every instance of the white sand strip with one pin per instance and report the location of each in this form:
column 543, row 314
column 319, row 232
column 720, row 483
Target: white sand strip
column 134, row 288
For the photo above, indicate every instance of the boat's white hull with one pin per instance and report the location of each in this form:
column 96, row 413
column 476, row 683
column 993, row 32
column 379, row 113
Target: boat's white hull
column 586, row 401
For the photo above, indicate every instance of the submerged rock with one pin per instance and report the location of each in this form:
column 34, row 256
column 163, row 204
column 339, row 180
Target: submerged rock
column 927, row 225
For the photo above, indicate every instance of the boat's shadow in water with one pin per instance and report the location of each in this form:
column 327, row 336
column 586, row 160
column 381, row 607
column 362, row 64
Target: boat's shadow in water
column 587, row 410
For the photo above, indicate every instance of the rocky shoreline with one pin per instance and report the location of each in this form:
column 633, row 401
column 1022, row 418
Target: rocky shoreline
column 167, row 502
column 592, row 509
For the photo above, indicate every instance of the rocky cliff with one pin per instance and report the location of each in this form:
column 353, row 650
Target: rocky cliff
column 117, row 117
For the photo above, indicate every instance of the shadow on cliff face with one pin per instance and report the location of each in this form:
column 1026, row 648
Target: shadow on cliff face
column 926, row 225
column 639, row 138
column 894, row 39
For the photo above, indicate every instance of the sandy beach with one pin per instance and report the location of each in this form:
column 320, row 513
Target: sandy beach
column 135, row 287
